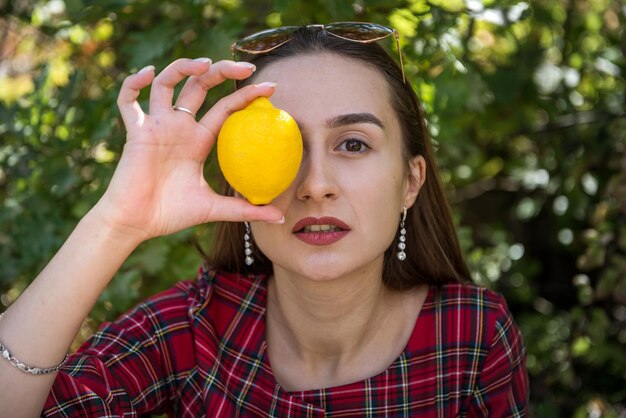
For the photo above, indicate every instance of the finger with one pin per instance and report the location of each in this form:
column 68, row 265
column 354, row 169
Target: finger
column 163, row 85
column 226, row 106
column 195, row 89
column 127, row 99
column 234, row 209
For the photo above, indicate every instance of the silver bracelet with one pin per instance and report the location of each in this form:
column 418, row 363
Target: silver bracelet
column 25, row 368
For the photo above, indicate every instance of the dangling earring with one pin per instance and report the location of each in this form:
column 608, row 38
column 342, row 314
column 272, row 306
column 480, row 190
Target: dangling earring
column 402, row 244
column 247, row 245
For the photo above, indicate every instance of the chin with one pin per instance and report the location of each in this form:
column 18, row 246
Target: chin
column 323, row 270
column 322, row 276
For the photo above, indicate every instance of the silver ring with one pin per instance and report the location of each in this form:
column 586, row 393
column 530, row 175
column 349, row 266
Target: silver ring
column 184, row 109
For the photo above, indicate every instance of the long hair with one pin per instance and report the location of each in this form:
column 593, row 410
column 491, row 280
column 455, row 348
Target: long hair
column 433, row 254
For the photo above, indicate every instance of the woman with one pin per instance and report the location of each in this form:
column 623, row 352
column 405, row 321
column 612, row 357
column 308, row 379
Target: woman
column 354, row 303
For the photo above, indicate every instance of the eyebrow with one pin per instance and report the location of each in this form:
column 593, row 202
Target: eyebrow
column 353, row 118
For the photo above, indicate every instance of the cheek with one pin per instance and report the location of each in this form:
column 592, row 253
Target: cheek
column 378, row 197
column 382, row 177
column 263, row 235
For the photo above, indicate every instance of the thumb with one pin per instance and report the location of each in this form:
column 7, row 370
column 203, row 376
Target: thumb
column 236, row 209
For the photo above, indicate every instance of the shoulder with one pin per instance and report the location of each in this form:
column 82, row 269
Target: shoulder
column 220, row 298
column 468, row 297
column 480, row 316
column 229, row 287
column 466, row 314
column 476, row 333
column 209, row 284
column 472, row 335
column 189, row 299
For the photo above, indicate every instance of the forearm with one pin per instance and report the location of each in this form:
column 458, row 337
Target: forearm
column 40, row 326
column 158, row 188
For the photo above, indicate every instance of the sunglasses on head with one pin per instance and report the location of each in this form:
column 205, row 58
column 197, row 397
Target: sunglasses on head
column 361, row 32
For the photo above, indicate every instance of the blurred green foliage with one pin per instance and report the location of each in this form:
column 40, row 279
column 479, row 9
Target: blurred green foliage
column 525, row 104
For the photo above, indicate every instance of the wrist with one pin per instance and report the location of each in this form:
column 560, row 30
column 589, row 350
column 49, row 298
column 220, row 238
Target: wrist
column 100, row 222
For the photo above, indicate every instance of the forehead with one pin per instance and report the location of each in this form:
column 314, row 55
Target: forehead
column 318, row 86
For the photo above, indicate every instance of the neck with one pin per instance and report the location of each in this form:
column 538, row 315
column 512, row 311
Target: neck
column 331, row 331
column 326, row 318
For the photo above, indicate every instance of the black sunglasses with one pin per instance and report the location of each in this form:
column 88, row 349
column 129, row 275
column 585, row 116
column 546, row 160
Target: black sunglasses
column 362, row 32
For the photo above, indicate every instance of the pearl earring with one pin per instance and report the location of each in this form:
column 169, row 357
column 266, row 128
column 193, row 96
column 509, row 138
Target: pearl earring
column 402, row 244
column 247, row 245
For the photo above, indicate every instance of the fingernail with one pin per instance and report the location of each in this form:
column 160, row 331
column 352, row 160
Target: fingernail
column 203, row 59
column 267, row 84
column 279, row 222
column 146, row 68
column 247, row 65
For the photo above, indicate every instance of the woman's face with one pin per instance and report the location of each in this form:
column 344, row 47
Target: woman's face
column 343, row 209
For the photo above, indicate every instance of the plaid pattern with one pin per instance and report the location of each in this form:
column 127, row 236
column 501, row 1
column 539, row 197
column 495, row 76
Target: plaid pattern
column 199, row 350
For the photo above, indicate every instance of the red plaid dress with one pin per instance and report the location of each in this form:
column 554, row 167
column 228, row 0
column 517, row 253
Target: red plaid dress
column 199, row 350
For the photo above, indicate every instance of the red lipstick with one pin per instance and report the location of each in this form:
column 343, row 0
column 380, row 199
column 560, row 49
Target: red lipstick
column 320, row 231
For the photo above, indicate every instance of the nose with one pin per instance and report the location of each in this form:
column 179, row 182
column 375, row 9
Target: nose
column 316, row 178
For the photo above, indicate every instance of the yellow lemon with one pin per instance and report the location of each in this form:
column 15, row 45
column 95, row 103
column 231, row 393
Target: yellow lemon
column 259, row 150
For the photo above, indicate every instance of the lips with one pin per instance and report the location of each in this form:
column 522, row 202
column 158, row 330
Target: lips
column 320, row 231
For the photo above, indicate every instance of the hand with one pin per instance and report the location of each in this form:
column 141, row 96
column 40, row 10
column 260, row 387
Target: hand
column 158, row 187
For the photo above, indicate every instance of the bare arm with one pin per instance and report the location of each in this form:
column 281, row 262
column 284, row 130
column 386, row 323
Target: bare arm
column 157, row 189
column 41, row 325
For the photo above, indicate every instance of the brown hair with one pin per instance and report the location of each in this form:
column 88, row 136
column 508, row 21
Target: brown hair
column 432, row 248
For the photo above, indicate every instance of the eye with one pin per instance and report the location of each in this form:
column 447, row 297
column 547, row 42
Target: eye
column 353, row 146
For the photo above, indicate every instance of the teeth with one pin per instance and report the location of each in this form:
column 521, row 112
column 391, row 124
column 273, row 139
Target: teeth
column 321, row 228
